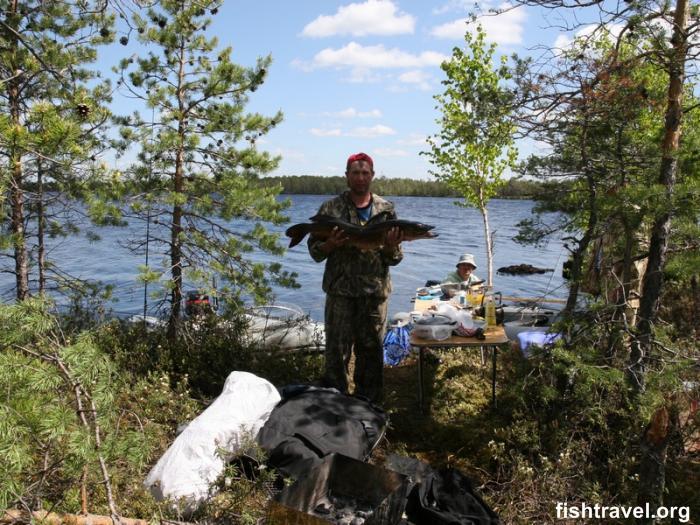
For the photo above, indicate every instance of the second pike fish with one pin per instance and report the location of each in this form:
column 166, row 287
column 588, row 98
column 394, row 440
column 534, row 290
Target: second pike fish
column 368, row 237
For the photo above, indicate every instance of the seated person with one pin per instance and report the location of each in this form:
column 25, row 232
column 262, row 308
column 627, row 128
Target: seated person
column 465, row 266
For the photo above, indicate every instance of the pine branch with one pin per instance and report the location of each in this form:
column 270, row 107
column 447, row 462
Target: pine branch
column 80, row 392
column 31, row 50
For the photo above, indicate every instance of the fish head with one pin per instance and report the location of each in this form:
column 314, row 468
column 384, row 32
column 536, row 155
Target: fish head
column 418, row 230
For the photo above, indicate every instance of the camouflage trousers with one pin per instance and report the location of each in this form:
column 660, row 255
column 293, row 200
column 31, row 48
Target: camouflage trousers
column 356, row 324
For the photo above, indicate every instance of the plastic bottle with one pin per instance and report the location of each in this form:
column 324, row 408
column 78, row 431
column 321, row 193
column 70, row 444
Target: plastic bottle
column 462, row 298
column 490, row 311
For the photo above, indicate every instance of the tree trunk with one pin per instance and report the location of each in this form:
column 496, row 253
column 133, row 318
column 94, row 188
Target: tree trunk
column 17, row 228
column 176, row 226
column 11, row 516
column 652, row 283
column 489, row 242
column 652, row 474
column 16, row 175
column 41, row 221
column 583, row 243
column 652, row 466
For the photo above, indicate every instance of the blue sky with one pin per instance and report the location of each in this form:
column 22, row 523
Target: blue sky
column 356, row 76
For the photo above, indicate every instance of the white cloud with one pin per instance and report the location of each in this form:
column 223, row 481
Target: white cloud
column 390, row 152
column 379, row 130
column 420, row 78
column 363, row 75
column 453, row 5
column 353, row 113
column 375, row 131
column 318, row 132
column 505, row 28
column 414, row 139
column 354, row 55
column 563, row 42
column 373, row 17
column 454, row 30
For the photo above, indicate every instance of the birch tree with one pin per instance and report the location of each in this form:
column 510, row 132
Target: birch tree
column 475, row 144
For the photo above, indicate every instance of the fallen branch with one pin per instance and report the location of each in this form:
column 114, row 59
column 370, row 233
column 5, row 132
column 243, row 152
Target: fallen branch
column 11, row 516
column 53, row 518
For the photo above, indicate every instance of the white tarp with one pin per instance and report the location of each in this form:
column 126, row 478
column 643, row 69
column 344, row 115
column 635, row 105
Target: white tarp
column 195, row 458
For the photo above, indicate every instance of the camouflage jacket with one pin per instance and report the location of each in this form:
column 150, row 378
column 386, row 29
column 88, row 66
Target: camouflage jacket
column 350, row 272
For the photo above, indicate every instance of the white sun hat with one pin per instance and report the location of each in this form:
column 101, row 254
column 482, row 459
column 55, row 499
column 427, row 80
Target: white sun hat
column 467, row 258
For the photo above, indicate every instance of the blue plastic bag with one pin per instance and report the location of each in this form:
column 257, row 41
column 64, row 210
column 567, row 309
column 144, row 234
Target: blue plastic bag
column 527, row 339
column 396, row 345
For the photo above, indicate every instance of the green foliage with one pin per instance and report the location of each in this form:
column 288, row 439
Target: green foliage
column 45, row 445
column 608, row 147
column 198, row 162
column 52, row 116
column 566, row 426
column 243, row 490
column 571, row 426
column 475, row 145
column 208, row 351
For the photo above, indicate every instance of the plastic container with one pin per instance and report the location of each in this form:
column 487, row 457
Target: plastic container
column 433, row 332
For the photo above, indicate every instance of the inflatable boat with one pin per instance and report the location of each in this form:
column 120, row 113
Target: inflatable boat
column 284, row 327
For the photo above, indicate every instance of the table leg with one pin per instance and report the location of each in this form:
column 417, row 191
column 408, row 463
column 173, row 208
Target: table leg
column 494, row 350
column 421, row 351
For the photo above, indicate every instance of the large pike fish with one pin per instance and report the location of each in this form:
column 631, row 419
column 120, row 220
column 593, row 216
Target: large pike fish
column 368, row 237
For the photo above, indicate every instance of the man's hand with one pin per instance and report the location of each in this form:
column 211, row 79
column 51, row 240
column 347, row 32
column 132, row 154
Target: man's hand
column 336, row 239
column 394, row 237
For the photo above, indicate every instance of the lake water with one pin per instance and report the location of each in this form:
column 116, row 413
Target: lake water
column 460, row 230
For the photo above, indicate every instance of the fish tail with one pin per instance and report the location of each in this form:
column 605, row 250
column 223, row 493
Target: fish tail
column 296, row 233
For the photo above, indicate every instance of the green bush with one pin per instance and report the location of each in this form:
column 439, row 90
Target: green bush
column 58, row 395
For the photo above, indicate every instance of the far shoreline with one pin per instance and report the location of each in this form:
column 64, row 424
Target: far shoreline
column 513, row 189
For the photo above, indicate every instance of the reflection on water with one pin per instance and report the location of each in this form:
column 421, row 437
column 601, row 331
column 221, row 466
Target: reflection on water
column 460, row 229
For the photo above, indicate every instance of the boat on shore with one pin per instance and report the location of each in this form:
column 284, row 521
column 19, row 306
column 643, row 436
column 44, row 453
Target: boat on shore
column 270, row 327
column 284, row 327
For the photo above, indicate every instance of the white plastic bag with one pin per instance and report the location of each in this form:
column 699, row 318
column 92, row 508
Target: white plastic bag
column 448, row 310
column 194, row 460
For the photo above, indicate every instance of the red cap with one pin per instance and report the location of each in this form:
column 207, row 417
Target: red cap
column 359, row 156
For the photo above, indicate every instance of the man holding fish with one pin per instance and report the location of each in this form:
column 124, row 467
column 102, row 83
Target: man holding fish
column 356, row 280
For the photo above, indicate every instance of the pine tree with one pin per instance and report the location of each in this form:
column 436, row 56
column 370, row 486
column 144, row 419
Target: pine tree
column 198, row 164
column 51, row 119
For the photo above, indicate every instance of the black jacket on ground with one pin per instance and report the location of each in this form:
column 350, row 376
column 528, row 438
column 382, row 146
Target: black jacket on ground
column 310, row 423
